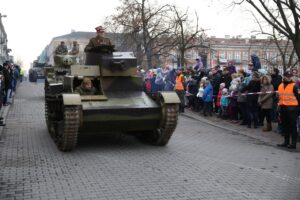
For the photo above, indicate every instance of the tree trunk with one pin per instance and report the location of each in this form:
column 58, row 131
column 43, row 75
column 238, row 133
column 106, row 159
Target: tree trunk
column 149, row 58
column 182, row 57
column 296, row 44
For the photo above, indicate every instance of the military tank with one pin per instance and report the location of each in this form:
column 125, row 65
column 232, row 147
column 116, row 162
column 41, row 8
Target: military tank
column 120, row 104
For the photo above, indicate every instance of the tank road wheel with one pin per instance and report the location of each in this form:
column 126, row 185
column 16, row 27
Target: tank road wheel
column 67, row 128
column 168, row 123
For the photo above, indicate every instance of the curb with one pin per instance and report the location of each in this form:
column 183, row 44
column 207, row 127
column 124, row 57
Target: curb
column 4, row 114
column 229, row 130
column 213, row 124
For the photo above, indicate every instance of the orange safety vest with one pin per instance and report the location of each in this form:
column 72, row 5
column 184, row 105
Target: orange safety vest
column 286, row 95
column 179, row 82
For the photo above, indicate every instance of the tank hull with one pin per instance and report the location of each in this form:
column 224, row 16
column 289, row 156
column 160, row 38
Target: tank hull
column 130, row 111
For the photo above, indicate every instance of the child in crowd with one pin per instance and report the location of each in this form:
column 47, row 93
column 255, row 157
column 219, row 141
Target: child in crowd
column 224, row 102
column 200, row 94
column 207, row 98
column 222, row 85
column 233, row 104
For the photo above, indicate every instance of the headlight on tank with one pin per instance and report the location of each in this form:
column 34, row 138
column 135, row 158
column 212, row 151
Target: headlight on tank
column 67, row 61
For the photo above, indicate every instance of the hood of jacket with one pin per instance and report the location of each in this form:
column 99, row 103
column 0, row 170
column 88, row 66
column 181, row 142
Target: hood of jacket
column 268, row 78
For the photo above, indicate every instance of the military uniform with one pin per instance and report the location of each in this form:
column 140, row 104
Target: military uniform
column 97, row 41
column 75, row 49
column 83, row 91
column 61, row 50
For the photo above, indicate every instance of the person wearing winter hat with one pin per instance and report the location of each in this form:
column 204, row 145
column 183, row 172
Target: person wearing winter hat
column 207, row 98
column 252, row 104
column 289, row 102
column 233, row 104
column 199, row 64
column 180, row 88
column 224, row 102
column 218, row 102
column 265, row 100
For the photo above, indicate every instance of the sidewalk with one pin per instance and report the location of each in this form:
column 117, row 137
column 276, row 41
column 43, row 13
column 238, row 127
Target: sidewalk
column 4, row 112
column 269, row 138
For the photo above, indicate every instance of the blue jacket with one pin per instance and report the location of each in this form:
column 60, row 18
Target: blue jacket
column 170, row 80
column 224, row 101
column 208, row 93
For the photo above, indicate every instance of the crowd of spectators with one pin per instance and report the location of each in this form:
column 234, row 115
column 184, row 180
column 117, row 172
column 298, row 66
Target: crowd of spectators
column 244, row 96
column 10, row 74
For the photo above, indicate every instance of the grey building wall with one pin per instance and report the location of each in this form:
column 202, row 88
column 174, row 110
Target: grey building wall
column 3, row 43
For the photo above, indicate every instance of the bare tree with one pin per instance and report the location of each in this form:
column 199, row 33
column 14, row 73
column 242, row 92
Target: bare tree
column 286, row 50
column 145, row 24
column 282, row 15
column 186, row 35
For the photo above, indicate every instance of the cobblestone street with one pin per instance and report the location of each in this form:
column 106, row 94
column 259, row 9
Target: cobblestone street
column 200, row 162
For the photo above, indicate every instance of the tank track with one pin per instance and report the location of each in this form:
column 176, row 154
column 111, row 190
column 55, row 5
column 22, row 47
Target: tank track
column 67, row 130
column 49, row 119
column 168, row 124
column 47, row 116
column 46, row 88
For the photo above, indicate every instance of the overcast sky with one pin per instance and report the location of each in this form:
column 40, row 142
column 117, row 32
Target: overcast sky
column 31, row 24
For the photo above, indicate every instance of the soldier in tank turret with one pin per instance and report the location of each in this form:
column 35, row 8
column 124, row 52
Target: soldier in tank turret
column 75, row 48
column 86, row 87
column 61, row 49
column 98, row 40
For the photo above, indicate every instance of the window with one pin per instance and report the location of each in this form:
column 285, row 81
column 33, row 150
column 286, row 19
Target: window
column 267, row 55
column 222, row 54
column 273, row 57
column 229, row 55
column 237, row 55
column 245, row 55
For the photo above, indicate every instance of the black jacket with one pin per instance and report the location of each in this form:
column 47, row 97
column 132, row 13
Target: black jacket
column 276, row 80
column 226, row 78
column 216, row 80
column 253, row 86
column 8, row 76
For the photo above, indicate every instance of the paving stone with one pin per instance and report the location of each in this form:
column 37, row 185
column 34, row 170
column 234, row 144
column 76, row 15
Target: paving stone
column 200, row 162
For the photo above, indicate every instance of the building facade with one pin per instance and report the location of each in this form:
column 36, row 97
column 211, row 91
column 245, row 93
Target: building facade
column 238, row 51
column 3, row 43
